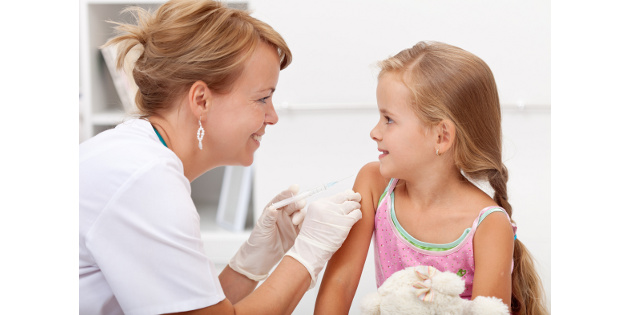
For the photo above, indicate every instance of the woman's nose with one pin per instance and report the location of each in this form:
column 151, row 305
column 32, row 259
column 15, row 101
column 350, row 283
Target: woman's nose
column 271, row 117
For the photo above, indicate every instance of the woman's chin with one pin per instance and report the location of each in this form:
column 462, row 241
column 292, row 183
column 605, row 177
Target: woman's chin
column 247, row 160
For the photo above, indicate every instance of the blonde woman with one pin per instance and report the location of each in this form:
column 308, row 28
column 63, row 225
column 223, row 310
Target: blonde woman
column 206, row 77
column 439, row 127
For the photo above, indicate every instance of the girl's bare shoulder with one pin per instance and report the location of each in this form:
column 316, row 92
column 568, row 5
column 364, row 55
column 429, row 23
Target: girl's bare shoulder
column 370, row 181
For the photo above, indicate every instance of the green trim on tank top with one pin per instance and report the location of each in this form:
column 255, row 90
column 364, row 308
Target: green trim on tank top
column 384, row 192
column 431, row 246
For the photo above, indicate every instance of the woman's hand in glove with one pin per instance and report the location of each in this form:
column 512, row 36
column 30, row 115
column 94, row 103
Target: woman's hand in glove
column 326, row 226
column 273, row 234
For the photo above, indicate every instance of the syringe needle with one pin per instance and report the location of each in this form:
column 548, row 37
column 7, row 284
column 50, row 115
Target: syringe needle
column 305, row 194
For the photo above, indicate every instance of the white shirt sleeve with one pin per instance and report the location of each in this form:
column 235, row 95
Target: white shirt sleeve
column 147, row 243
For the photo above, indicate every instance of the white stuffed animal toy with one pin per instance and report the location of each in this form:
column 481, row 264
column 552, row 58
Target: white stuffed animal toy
column 426, row 290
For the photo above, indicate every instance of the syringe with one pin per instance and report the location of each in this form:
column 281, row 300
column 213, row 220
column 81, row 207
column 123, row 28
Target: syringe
column 304, row 195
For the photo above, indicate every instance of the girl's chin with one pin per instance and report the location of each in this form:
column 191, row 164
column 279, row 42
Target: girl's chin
column 384, row 170
column 390, row 170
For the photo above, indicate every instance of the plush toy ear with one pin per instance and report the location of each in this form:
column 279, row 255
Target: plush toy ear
column 448, row 283
column 371, row 304
column 488, row 306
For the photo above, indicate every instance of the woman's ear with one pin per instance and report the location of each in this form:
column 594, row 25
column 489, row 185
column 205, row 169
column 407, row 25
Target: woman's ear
column 445, row 131
column 199, row 98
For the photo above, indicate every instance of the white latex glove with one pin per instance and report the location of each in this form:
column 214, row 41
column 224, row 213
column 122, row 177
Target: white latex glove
column 272, row 236
column 326, row 226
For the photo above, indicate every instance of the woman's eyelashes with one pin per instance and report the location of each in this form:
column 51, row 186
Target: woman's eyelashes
column 264, row 99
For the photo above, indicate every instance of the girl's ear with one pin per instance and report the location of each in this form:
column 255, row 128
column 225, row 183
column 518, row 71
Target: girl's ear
column 445, row 130
column 199, row 98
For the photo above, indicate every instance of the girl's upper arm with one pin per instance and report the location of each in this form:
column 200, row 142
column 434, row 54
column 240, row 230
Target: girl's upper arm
column 493, row 249
column 344, row 269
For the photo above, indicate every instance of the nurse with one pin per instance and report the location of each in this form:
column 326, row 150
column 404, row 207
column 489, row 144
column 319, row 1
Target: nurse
column 206, row 78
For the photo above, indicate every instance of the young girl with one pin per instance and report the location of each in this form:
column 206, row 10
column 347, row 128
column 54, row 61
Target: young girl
column 439, row 127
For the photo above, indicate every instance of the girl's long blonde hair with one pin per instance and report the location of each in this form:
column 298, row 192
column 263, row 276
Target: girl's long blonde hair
column 448, row 82
column 189, row 40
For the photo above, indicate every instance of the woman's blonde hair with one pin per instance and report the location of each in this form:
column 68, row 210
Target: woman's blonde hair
column 189, row 40
column 447, row 82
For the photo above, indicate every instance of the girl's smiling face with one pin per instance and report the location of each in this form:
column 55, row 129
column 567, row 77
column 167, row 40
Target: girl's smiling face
column 402, row 138
column 237, row 120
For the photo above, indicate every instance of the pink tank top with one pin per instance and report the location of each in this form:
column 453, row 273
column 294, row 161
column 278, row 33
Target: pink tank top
column 392, row 252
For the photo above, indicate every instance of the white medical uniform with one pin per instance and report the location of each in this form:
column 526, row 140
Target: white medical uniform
column 140, row 248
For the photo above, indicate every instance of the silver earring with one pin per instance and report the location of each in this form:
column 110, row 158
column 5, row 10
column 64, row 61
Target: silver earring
column 200, row 134
column 437, row 151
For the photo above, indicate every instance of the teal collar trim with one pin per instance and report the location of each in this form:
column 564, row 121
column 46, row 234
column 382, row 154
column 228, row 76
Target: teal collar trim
column 159, row 136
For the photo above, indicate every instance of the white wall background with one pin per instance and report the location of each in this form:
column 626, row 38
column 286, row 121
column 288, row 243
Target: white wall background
column 326, row 98
column 336, row 43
